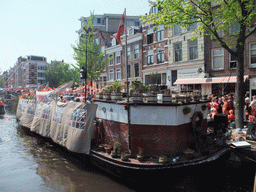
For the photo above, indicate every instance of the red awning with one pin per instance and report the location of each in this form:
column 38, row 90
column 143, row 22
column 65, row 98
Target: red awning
column 210, row 80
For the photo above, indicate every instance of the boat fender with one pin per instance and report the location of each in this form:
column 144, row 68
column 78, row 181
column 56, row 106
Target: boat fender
column 197, row 120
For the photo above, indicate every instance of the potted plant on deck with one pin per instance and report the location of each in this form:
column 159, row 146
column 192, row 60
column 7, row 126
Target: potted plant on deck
column 152, row 94
column 114, row 153
column 108, row 148
column 137, row 92
column 116, row 94
column 107, row 90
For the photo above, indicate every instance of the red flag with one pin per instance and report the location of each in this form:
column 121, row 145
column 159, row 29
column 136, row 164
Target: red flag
column 121, row 28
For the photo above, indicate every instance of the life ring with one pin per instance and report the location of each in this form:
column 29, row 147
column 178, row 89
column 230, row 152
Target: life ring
column 197, row 125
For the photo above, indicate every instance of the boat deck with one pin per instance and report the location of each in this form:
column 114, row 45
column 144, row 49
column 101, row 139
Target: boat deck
column 153, row 162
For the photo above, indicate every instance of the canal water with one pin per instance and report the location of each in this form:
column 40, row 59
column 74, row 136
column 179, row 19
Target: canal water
column 29, row 164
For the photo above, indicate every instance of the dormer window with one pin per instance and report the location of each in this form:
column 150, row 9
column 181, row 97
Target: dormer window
column 98, row 20
column 154, row 9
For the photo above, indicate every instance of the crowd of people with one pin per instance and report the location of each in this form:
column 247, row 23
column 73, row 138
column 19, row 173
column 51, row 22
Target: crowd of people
column 226, row 105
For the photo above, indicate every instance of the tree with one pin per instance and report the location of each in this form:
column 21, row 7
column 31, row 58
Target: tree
column 95, row 60
column 58, row 73
column 236, row 15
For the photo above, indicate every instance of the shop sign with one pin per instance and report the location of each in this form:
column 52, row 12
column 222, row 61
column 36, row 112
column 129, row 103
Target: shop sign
column 191, row 73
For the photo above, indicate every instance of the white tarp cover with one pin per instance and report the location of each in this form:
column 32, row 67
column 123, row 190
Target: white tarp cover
column 46, row 119
column 28, row 113
column 36, row 121
column 19, row 108
column 72, row 126
column 68, row 124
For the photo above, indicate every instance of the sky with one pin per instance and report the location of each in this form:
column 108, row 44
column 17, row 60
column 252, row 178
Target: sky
column 48, row 27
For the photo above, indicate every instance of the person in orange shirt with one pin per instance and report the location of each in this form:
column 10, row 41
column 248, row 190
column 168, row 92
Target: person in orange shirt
column 225, row 106
column 231, row 115
column 213, row 104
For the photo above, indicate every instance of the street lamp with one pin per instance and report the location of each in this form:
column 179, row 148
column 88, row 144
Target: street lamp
column 83, row 71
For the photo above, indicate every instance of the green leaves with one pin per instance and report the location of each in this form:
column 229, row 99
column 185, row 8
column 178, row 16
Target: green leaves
column 86, row 52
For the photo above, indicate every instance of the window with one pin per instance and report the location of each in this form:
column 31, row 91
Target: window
column 118, row 74
column 163, row 79
column 160, row 56
column 98, row 20
column 154, row 9
column 150, row 57
column 136, row 70
column 128, row 53
column 176, row 29
column 114, row 41
column 177, row 52
column 111, row 75
column 97, row 41
column 155, row 79
column 217, row 59
column 234, row 28
column 174, row 76
column 232, row 61
column 193, row 51
column 131, row 32
column 150, row 35
column 253, row 54
column 118, row 57
column 160, row 33
column 194, row 26
column 111, row 62
column 136, row 51
column 103, row 50
column 137, row 23
column 129, row 71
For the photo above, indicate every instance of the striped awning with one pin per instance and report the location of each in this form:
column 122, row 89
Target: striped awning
column 210, row 80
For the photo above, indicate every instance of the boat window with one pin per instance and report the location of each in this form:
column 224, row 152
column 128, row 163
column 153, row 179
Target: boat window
column 78, row 118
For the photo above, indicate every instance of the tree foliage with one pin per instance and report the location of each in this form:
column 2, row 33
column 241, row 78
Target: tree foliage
column 216, row 21
column 58, row 73
column 95, row 59
column 230, row 22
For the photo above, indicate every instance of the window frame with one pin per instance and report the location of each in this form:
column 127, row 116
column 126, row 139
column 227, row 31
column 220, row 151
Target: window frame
column 118, row 57
column 136, row 66
column 128, row 53
column 111, row 61
column 118, row 71
column 162, row 56
column 221, row 55
column 111, row 73
column 150, row 57
column 160, row 33
column 250, row 54
column 136, row 51
column 175, row 32
column 180, row 52
column 191, row 50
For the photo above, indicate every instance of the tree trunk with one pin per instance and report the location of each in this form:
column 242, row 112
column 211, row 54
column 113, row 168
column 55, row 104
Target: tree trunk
column 239, row 96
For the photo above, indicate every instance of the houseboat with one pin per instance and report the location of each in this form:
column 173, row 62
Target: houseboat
column 147, row 138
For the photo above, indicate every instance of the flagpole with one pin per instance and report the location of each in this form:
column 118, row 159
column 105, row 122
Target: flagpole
column 127, row 84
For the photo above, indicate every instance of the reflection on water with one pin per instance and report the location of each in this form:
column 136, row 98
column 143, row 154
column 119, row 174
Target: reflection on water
column 28, row 163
